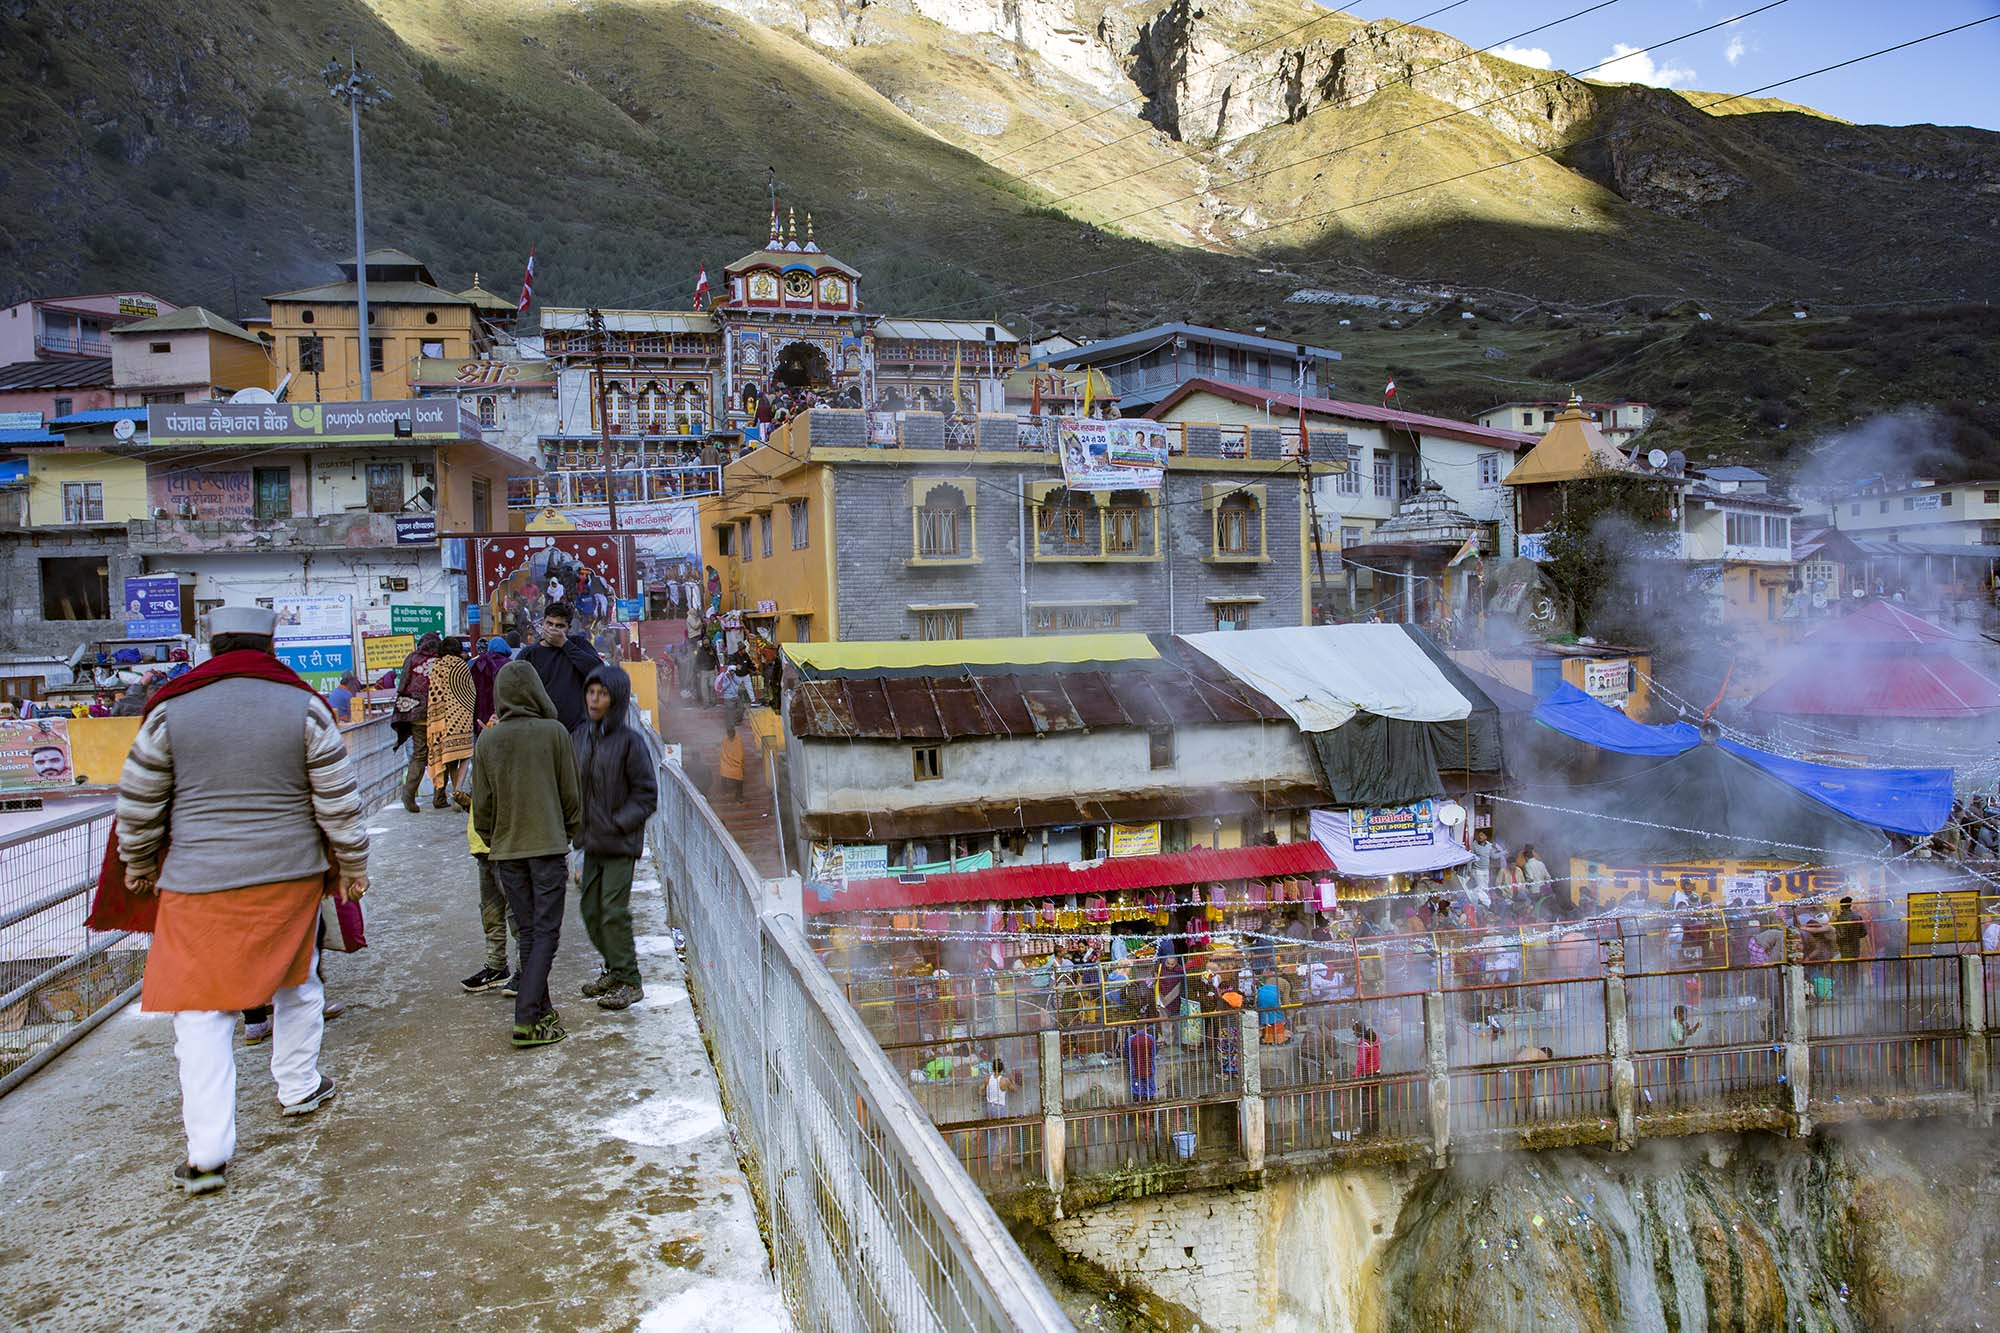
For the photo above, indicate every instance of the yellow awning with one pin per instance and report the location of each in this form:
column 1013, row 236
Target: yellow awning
column 903, row 654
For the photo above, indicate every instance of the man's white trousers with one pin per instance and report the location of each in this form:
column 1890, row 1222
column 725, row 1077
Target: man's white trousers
column 205, row 1045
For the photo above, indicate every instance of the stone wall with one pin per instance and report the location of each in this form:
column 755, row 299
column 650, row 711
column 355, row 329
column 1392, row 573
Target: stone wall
column 878, row 583
column 22, row 627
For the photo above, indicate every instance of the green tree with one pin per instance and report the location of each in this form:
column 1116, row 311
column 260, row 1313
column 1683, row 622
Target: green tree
column 1608, row 531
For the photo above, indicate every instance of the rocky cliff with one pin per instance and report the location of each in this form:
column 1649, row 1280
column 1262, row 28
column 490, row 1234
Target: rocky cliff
column 1895, row 1227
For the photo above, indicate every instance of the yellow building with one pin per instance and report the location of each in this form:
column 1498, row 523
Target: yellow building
column 77, row 478
column 190, row 356
column 316, row 336
column 770, row 538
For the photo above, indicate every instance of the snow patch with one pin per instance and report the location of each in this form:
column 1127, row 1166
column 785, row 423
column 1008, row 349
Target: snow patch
column 654, row 946
column 377, row 831
column 718, row 1306
column 664, row 1122
column 661, row 995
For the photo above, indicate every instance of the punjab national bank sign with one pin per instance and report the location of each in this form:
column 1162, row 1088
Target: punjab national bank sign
column 307, row 424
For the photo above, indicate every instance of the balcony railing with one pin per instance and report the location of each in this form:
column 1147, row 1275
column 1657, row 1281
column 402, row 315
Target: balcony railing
column 585, row 486
column 71, row 344
column 849, row 428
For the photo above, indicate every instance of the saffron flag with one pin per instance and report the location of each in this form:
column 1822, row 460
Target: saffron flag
column 1388, row 391
column 528, row 282
column 701, row 289
column 1089, row 385
column 957, row 357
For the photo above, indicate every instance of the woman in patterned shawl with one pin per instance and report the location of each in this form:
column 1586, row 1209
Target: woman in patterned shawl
column 450, row 724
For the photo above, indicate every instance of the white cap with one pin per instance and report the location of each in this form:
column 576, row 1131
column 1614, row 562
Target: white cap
column 242, row 620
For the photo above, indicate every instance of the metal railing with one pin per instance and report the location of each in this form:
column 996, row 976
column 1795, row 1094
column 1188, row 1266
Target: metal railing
column 378, row 765
column 57, row 976
column 873, row 1222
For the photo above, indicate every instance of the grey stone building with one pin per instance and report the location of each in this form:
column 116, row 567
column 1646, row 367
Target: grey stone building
column 984, row 540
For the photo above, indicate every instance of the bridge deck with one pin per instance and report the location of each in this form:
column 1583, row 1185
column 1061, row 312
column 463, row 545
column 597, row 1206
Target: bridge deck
column 454, row 1183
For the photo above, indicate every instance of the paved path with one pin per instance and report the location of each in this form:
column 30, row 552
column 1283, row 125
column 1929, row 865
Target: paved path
column 453, row 1183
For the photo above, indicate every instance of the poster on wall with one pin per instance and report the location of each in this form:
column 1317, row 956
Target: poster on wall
column 665, row 537
column 1381, row 829
column 153, row 606
column 1608, row 682
column 201, row 493
column 1135, row 839
column 316, row 637
column 34, row 755
column 514, row 577
column 1112, row 455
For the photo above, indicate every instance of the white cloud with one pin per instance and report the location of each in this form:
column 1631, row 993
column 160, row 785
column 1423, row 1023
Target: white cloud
column 1734, row 51
column 1635, row 64
column 1533, row 56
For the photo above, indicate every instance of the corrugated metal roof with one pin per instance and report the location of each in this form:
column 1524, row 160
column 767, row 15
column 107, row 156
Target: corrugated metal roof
column 386, row 292
column 97, row 416
column 1009, row 816
column 906, row 707
column 188, row 318
column 1122, row 874
column 943, row 330
column 568, row 319
column 1923, row 685
column 28, row 437
column 1883, row 622
column 79, row 373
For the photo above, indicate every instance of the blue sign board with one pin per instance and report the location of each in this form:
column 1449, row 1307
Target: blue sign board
column 631, row 608
column 153, row 606
column 472, row 610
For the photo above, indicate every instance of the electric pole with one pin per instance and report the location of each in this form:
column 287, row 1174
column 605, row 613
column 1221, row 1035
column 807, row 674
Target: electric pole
column 359, row 89
column 1312, row 495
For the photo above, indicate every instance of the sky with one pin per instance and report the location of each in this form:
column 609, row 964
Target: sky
column 1947, row 82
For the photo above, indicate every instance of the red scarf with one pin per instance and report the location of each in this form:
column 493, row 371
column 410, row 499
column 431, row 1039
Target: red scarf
column 116, row 907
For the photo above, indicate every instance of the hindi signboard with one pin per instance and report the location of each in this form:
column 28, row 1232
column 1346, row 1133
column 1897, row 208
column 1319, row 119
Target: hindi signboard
column 1381, row 829
column 1135, row 839
column 308, row 423
column 34, row 754
column 416, row 621
column 1112, row 455
column 316, row 637
column 1608, row 682
column 153, row 606
column 385, row 652
column 416, row 529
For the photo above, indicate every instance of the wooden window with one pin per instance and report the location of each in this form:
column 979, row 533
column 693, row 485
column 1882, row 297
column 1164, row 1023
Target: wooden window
column 482, row 504
column 925, row 763
column 935, row 625
column 76, row 587
column 1232, row 615
column 764, row 535
column 743, row 539
column 489, row 411
column 1061, row 517
column 1160, row 747
column 159, row 349
column 377, row 352
column 801, row 533
column 1489, row 469
column 725, row 539
column 385, row 488
column 273, row 492
column 1385, row 476
column 1235, row 526
column 802, row 629
column 83, row 501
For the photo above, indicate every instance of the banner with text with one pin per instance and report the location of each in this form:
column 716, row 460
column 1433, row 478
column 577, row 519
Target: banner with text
column 1112, row 455
column 316, row 637
column 34, row 755
column 153, row 606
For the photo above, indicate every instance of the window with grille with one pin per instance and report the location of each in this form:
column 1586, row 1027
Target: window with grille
column 1349, row 482
column 1232, row 615
column 311, row 354
column 1489, row 469
column 377, row 353
column 1062, row 517
column 937, row 625
column 1121, row 529
column 489, row 411
column 802, row 629
column 764, row 535
column 83, row 501
column 801, row 533
column 1236, row 526
column 944, row 525
column 743, row 539
column 1385, row 477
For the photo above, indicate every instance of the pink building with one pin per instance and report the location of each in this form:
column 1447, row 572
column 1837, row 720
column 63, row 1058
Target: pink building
column 55, row 352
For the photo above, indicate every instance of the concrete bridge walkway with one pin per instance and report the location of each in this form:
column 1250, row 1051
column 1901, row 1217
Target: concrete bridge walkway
column 453, row 1183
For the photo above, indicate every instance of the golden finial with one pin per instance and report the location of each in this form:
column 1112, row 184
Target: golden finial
column 810, row 243
column 792, row 217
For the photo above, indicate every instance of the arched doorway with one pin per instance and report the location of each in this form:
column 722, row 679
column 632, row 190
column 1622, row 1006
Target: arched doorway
column 802, row 366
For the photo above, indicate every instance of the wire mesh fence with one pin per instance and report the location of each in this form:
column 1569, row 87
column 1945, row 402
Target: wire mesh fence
column 873, row 1221
column 55, row 973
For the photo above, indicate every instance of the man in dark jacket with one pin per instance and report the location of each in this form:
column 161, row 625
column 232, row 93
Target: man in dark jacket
column 564, row 661
column 615, row 768
column 527, row 810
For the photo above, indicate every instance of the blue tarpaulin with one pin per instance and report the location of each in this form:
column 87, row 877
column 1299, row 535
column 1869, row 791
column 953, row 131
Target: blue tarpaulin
column 1574, row 713
column 1911, row 801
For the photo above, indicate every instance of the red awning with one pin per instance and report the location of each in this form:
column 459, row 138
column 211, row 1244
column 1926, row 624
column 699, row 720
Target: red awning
column 1006, row 883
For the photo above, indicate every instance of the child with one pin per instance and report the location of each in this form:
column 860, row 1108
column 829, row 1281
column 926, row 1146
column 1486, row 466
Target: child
column 731, row 762
column 494, row 919
column 619, row 796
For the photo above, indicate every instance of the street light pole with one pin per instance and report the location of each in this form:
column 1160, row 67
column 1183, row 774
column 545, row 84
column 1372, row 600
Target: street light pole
column 360, row 91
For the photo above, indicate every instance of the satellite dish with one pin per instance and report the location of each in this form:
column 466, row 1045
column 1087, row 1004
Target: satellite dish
column 1657, row 458
column 1451, row 814
column 124, row 428
column 253, row 395
column 1677, row 462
